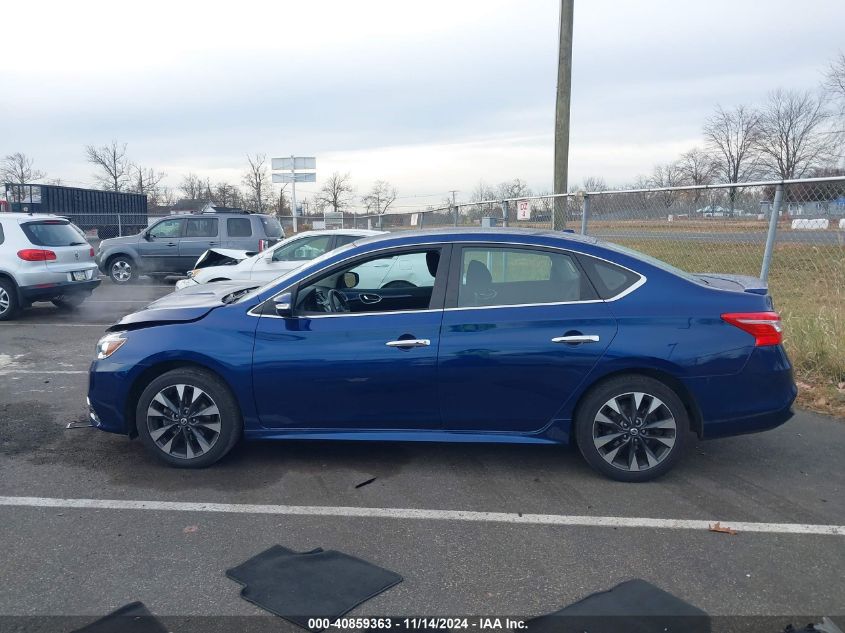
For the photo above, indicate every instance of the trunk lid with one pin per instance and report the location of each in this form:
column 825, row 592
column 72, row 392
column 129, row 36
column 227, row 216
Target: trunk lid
column 737, row 283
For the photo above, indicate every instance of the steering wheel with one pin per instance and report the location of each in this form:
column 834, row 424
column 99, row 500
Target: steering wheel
column 337, row 301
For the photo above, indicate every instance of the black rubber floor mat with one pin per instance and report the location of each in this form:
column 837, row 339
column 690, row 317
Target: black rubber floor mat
column 316, row 584
column 131, row 618
column 635, row 606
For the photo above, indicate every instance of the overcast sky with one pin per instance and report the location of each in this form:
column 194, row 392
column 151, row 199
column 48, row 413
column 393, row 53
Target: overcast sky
column 430, row 96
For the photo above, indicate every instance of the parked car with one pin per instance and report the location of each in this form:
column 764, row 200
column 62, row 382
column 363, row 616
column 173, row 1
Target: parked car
column 43, row 258
column 516, row 336
column 172, row 245
column 283, row 257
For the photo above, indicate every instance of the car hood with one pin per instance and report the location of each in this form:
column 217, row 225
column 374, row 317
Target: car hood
column 115, row 241
column 188, row 304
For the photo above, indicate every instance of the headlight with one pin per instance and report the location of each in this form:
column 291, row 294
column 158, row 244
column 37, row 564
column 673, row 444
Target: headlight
column 193, row 273
column 109, row 344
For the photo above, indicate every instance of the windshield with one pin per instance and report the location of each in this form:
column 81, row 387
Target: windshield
column 52, row 233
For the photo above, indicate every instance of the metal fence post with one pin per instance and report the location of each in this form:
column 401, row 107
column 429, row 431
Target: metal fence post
column 119, row 226
column 770, row 237
column 421, row 220
column 456, row 215
column 506, row 208
column 585, row 213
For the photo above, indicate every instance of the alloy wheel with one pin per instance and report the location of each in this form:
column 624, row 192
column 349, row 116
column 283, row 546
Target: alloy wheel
column 5, row 300
column 183, row 421
column 634, row 431
column 121, row 271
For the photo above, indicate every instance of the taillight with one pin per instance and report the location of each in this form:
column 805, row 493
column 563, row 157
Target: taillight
column 36, row 255
column 765, row 327
column 91, row 252
column 262, row 244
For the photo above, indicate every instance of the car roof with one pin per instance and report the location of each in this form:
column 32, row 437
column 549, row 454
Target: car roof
column 30, row 216
column 502, row 234
column 361, row 232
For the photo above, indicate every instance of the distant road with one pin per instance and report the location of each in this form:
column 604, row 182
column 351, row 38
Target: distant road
column 816, row 238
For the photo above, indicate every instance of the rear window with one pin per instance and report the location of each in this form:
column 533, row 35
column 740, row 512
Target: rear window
column 272, row 227
column 51, row 233
column 239, row 227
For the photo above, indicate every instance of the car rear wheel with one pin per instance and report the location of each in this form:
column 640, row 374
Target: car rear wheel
column 632, row 428
column 8, row 300
column 188, row 418
column 122, row 270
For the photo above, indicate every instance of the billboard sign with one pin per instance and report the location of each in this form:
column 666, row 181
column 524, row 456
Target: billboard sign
column 294, row 162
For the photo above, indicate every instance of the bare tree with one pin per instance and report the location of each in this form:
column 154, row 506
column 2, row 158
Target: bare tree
column 147, row 181
column 256, row 179
column 380, row 197
column 515, row 188
column 594, row 183
column 19, row 169
column 336, row 192
column 732, row 136
column 113, row 165
column 226, row 195
column 192, row 186
column 668, row 175
column 282, row 203
column 835, row 83
column 696, row 167
column 794, row 137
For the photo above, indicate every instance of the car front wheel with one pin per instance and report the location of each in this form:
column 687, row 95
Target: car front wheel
column 632, row 428
column 188, row 418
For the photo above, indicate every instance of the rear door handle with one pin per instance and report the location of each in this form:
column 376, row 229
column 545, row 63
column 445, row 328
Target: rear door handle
column 576, row 338
column 409, row 342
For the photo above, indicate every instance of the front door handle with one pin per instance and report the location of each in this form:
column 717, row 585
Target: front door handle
column 171, row 244
column 369, row 298
column 409, row 342
column 576, row 338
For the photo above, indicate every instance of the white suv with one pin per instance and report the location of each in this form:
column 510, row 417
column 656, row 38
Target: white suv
column 43, row 258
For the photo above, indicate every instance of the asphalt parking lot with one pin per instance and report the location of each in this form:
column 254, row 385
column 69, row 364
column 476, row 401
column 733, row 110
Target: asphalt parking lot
column 510, row 530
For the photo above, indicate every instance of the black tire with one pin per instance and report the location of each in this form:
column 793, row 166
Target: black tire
column 122, row 270
column 70, row 301
column 646, row 434
column 8, row 300
column 229, row 419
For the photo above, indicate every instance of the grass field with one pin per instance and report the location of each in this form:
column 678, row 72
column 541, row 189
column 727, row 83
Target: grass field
column 808, row 286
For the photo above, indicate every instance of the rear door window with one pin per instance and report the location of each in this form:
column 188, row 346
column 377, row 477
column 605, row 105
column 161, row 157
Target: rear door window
column 302, row 250
column 493, row 276
column 201, row 227
column 51, row 233
column 239, row 227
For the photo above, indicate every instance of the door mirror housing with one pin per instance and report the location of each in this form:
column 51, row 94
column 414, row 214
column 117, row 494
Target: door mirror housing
column 349, row 280
column 148, row 236
column 283, row 304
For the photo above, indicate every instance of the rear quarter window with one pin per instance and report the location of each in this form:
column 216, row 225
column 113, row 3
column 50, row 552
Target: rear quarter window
column 239, row 227
column 272, row 227
column 609, row 280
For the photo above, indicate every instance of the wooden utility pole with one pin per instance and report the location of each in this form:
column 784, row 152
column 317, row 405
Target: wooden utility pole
column 564, row 88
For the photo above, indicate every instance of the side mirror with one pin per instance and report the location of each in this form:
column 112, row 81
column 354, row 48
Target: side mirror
column 350, row 279
column 148, row 235
column 283, row 304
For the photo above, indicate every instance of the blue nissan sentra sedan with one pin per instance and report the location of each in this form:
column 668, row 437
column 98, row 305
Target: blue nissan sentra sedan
column 503, row 335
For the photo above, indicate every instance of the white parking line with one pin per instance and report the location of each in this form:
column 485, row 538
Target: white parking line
column 420, row 514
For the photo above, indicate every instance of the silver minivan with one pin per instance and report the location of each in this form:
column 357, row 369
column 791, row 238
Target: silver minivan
column 43, row 258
